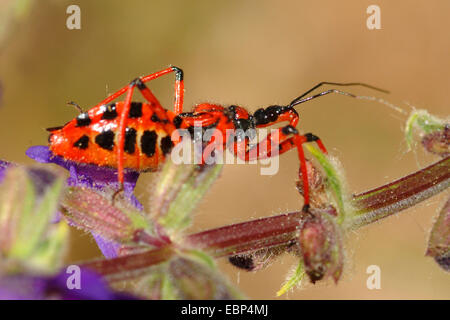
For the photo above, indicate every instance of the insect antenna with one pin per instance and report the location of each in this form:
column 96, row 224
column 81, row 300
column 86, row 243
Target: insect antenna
column 74, row 104
column 301, row 99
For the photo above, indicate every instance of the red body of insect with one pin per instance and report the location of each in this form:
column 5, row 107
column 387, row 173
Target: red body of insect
column 138, row 135
column 92, row 137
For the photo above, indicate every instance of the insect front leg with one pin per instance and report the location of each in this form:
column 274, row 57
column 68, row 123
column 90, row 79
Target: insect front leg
column 283, row 140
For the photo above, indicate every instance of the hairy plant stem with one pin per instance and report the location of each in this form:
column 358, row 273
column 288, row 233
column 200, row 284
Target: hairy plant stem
column 278, row 230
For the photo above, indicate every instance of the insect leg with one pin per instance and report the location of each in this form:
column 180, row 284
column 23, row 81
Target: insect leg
column 179, row 88
column 280, row 145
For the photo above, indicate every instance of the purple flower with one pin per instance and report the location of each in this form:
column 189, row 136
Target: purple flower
column 40, row 178
column 27, row 287
column 110, row 249
column 3, row 166
column 91, row 176
column 86, row 175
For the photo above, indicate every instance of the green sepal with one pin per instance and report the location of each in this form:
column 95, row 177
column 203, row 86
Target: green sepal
column 33, row 213
column 333, row 181
column 293, row 280
column 179, row 189
column 424, row 122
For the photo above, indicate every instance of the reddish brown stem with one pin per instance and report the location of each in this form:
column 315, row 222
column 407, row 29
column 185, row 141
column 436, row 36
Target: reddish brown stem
column 403, row 193
column 129, row 266
column 281, row 229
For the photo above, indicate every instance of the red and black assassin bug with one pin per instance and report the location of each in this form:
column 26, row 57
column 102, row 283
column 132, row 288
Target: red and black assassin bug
column 137, row 135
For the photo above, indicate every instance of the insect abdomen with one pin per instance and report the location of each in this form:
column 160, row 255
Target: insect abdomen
column 92, row 137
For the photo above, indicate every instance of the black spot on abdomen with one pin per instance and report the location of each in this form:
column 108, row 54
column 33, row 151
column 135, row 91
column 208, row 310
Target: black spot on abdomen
column 109, row 112
column 166, row 145
column 105, row 140
column 130, row 140
column 155, row 118
column 148, row 143
column 83, row 120
column 177, row 122
column 135, row 110
column 82, row 143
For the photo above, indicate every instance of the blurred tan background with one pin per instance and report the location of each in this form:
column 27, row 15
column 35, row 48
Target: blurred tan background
column 253, row 53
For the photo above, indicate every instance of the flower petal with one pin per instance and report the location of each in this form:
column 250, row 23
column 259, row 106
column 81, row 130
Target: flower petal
column 3, row 166
column 27, row 287
column 87, row 175
column 91, row 176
